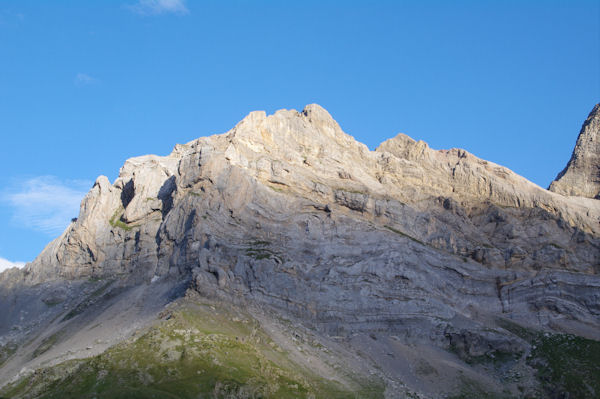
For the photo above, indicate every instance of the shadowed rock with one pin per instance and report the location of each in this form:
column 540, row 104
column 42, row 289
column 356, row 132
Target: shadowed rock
column 581, row 176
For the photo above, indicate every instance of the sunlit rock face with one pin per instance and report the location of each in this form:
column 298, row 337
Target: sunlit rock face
column 289, row 212
column 581, row 176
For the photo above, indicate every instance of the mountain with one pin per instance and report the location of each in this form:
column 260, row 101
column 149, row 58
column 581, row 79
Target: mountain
column 581, row 176
column 285, row 259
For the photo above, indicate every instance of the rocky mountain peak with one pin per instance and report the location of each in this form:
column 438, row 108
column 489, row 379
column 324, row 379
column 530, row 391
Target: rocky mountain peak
column 581, row 176
column 405, row 147
column 319, row 117
column 313, row 123
column 406, row 253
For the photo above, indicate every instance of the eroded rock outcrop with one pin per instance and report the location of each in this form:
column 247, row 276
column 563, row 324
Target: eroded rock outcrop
column 581, row 176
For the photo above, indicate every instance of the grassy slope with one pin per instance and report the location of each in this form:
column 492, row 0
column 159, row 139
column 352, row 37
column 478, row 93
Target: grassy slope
column 199, row 351
column 6, row 351
column 567, row 363
column 563, row 365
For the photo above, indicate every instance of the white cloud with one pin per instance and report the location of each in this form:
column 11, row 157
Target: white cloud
column 6, row 264
column 82, row 79
column 156, row 7
column 46, row 203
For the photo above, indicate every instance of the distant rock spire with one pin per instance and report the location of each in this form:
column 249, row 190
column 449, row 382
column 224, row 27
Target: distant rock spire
column 581, row 176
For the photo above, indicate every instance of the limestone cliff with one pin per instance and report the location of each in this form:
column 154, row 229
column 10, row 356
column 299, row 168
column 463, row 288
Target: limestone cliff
column 271, row 169
column 581, row 176
column 289, row 212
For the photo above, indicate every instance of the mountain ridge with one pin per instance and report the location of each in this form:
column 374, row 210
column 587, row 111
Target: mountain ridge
column 426, row 251
column 468, row 175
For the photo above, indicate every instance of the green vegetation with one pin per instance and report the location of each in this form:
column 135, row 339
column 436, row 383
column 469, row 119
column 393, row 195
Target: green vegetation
column 115, row 220
column 259, row 253
column 260, row 243
column 276, row 189
column 199, row 352
column 83, row 305
column 390, row 228
column 471, row 389
column 46, row 344
column 6, row 351
column 567, row 363
column 496, row 358
column 258, row 250
column 564, row 362
column 351, row 191
column 52, row 301
column 522, row 332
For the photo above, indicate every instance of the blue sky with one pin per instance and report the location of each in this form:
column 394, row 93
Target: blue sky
column 86, row 85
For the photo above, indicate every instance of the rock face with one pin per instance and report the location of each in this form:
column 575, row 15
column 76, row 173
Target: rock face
column 277, row 176
column 581, row 176
column 289, row 212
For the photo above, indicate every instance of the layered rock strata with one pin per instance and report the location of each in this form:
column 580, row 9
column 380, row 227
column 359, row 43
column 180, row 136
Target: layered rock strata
column 290, row 212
